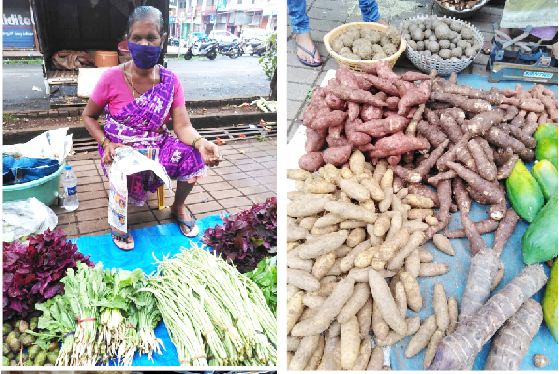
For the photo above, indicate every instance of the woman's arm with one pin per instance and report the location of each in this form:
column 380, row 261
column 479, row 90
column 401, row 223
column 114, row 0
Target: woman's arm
column 90, row 117
column 187, row 134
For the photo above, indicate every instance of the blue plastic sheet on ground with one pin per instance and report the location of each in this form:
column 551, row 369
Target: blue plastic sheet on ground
column 151, row 243
column 455, row 280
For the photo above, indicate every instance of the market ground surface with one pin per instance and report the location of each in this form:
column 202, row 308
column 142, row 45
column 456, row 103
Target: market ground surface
column 327, row 14
column 202, row 79
column 246, row 176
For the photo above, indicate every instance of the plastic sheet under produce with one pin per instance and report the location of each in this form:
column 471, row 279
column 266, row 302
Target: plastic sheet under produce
column 151, row 243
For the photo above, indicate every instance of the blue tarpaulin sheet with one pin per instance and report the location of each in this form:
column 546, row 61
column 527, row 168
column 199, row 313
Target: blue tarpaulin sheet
column 455, row 280
column 150, row 243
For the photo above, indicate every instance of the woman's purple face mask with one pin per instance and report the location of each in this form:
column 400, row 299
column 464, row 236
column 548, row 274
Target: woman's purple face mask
column 144, row 44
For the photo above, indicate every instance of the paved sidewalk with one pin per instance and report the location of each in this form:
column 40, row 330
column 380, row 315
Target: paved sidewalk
column 247, row 175
column 327, row 14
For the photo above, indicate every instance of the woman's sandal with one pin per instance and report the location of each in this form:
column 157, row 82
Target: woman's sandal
column 122, row 239
column 310, row 53
column 194, row 230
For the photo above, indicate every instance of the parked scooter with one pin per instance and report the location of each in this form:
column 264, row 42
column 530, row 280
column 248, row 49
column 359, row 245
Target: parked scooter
column 207, row 47
column 231, row 49
column 257, row 47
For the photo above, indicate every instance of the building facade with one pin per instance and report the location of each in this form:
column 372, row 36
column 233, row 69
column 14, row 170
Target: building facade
column 235, row 16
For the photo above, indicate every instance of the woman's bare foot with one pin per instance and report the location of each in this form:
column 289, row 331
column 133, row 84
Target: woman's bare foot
column 306, row 51
column 122, row 240
column 186, row 223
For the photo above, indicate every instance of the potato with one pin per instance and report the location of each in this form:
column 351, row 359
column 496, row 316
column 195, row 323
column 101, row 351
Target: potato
column 347, row 39
column 390, row 49
column 444, row 53
column 456, row 52
column 470, row 52
column 337, row 44
column 432, row 37
column 372, row 35
column 384, row 40
column 362, row 48
column 455, row 26
column 452, row 46
column 412, row 44
column 463, row 44
column 345, row 50
column 442, row 31
column 393, row 35
column 417, row 35
column 433, row 46
column 354, row 32
column 427, row 33
column 444, row 44
column 467, row 33
column 419, row 45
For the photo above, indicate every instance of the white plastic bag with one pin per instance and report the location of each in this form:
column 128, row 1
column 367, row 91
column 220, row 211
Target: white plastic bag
column 26, row 217
column 53, row 144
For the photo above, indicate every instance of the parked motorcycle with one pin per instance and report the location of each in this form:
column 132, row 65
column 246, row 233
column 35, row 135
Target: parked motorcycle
column 257, row 47
column 232, row 49
column 207, row 48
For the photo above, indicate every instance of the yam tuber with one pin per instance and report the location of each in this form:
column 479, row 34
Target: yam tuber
column 386, row 304
column 457, row 349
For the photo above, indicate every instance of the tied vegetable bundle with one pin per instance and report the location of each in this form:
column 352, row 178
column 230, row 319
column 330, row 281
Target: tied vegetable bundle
column 214, row 314
column 103, row 315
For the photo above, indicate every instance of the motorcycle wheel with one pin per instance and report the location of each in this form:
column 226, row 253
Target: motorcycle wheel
column 188, row 56
column 234, row 54
column 212, row 56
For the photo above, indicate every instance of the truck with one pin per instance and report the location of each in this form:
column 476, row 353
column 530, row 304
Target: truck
column 82, row 25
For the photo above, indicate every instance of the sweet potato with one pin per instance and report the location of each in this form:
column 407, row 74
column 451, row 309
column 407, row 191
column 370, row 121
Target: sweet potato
column 315, row 140
column 483, row 227
column 412, row 97
column 334, row 102
column 370, row 112
column 433, row 134
column 312, row 161
column 354, row 95
column 413, row 76
column 382, row 127
column 532, row 105
column 336, row 156
column 397, row 144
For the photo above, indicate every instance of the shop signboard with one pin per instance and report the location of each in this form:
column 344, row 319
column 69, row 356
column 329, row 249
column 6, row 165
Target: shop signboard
column 17, row 26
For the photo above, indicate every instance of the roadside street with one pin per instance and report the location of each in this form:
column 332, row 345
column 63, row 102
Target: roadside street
column 201, row 78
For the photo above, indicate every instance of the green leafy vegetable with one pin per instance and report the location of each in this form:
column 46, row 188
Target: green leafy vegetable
column 266, row 277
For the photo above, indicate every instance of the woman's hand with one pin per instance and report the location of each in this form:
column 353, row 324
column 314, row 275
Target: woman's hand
column 110, row 150
column 210, row 152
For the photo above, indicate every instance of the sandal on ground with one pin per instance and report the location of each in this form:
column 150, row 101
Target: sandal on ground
column 310, row 53
column 122, row 241
column 193, row 229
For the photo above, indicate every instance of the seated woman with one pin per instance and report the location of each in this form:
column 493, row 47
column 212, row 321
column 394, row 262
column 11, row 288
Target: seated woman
column 139, row 97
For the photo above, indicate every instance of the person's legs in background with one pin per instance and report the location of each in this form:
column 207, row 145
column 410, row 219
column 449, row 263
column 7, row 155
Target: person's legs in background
column 369, row 10
column 306, row 51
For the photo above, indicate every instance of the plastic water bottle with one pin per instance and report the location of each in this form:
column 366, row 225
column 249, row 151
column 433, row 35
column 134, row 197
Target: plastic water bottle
column 70, row 201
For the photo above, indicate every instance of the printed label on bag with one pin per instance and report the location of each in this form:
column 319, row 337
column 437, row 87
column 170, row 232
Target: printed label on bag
column 71, row 190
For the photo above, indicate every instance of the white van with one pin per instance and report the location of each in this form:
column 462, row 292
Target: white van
column 222, row 36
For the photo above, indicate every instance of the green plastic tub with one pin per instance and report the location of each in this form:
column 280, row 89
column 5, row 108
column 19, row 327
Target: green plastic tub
column 45, row 189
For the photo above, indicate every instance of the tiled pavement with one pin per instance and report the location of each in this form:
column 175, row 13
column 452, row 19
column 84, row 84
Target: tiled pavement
column 247, row 175
column 327, row 14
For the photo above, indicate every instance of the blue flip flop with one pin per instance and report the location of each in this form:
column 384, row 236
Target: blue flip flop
column 304, row 62
column 191, row 224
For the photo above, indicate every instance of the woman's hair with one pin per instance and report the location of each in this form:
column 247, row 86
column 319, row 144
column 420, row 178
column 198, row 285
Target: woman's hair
column 146, row 12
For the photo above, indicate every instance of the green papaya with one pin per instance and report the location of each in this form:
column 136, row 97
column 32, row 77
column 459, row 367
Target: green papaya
column 546, row 149
column 546, row 176
column 539, row 242
column 524, row 193
column 546, row 130
column 549, row 302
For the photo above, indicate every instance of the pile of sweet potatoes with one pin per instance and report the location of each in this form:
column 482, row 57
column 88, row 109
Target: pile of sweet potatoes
column 354, row 259
column 368, row 111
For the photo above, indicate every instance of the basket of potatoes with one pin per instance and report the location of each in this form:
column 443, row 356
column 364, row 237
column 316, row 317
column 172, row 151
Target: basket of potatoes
column 445, row 44
column 359, row 44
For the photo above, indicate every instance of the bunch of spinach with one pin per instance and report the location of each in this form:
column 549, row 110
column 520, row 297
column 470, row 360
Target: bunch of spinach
column 266, row 277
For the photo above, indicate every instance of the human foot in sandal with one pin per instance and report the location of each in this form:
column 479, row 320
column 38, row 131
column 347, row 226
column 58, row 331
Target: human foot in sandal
column 187, row 225
column 306, row 51
column 123, row 241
